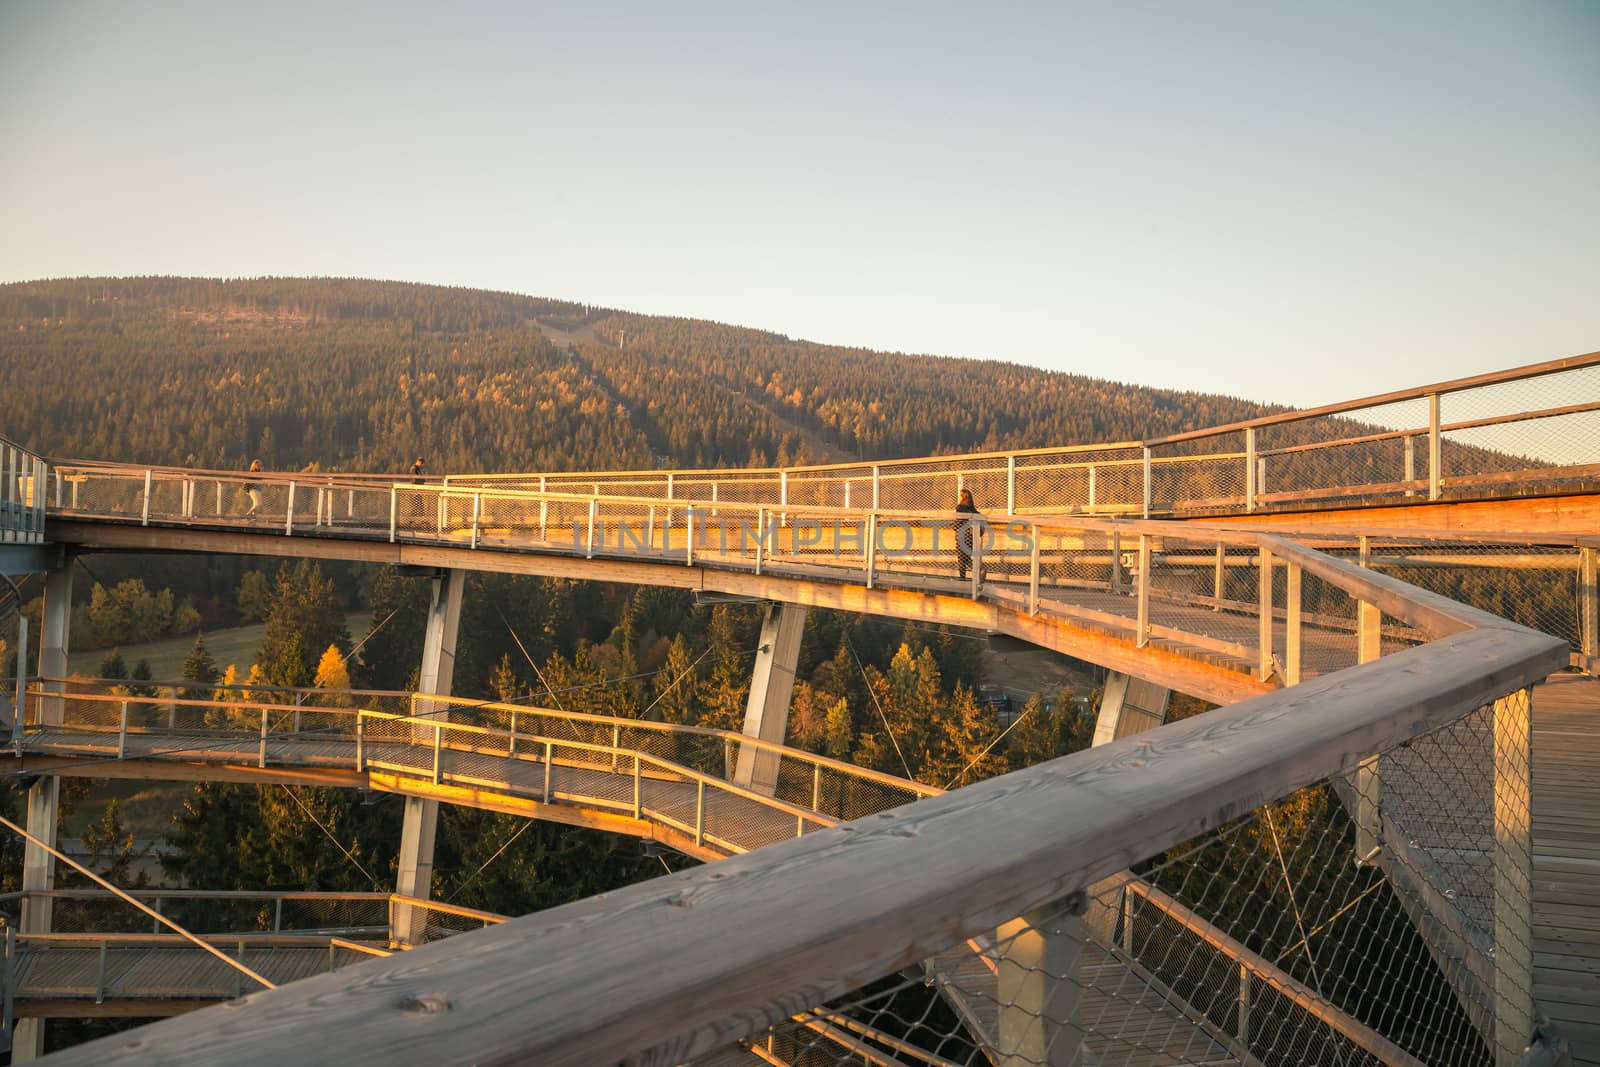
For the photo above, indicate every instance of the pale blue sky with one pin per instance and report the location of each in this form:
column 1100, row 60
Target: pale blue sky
column 1291, row 202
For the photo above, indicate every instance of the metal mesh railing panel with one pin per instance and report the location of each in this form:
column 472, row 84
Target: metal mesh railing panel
column 1263, row 941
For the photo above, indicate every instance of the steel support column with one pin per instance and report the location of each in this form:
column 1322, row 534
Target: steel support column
column 1039, row 987
column 415, row 878
column 766, row 713
column 44, row 796
column 1129, row 705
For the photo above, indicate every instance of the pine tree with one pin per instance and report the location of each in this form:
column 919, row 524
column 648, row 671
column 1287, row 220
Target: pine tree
column 112, row 665
column 199, row 667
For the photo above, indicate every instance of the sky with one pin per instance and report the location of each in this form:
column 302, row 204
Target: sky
column 1292, row 202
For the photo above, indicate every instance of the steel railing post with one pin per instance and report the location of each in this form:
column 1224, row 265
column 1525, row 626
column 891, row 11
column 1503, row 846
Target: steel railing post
column 1033, row 571
column 1411, row 462
column 688, row 535
column 549, row 753
column 876, row 485
column 477, row 510
column 394, row 511
column 761, row 523
column 1513, row 877
column 511, row 749
column 1147, row 482
column 1250, row 488
column 637, row 804
column 544, row 511
column 1264, row 665
column 100, row 979
column 1091, row 503
column 21, row 713
column 1292, row 627
column 1011, row 485
column 145, row 516
column 700, row 811
column 1217, row 577
column 1244, row 1005
column 361, row 746
column 263, row 757
column 122, row 733
column 871, row 552
column 1142, row 587
column 1589, row 606
column 594, row 508
column 1435, row 455
column 438, row 744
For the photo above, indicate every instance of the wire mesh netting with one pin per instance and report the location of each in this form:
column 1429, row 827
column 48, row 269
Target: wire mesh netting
column 1361, row 920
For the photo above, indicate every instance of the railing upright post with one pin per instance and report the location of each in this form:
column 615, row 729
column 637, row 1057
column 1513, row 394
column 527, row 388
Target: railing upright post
column 511, row 749
column 871, row 552
column 477, row 510
column 361, row 743
column 145, row 515
column 100, row 979
column 1367, row 781
column 1292, row 631
column 122, row 732
column 1244, row 1005
column 288, row 518
column 219, row 498
column 816, row 787
column 616, row 747
column 20, row 712
column 1435, row 453
column 1513, row 877
column 1264, row 616
column 549, row 752
column 594, row 508
column 394, row 512
column 438, row 737
column 1033, row 572
column 1589, row 606
column 638, row 805
column 761, row 534
column 669, row 486
column 1147, row 482
column 1011, row 485
column 1217, row 577
column 700, row 811
column 1091, row 486
column 1250, row 488
column 1411, row 462
column 544, row 510
column 262, row 760
column 688, row 536
column 277, row 916
column 783, row 497
column 1141, row 637
column 876, row 486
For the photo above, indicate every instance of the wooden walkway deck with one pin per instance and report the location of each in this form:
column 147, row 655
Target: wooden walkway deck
column 1566, row 861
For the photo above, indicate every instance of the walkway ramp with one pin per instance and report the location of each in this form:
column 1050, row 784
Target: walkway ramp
column 1566, row 859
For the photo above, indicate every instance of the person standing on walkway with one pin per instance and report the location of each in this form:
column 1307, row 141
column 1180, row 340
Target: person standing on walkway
column 969, row 533
column 253, row 488
column 416, row 471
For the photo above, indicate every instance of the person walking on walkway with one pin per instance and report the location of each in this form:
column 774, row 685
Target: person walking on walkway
column 253, row 488
column 969, row 534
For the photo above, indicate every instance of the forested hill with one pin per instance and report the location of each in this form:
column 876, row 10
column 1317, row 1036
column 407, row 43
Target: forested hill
column 366, row 375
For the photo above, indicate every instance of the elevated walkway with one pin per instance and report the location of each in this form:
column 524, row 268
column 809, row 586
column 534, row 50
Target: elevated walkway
column 1228, row 614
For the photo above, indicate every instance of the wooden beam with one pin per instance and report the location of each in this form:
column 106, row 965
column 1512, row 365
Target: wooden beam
column 755, row 938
